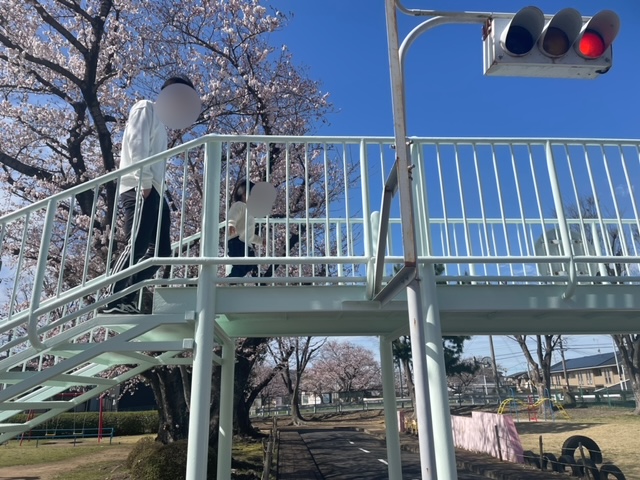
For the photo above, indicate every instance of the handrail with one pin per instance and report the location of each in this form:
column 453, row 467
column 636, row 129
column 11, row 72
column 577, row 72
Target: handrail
column 512, row 241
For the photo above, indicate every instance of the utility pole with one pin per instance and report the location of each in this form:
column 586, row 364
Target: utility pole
column 564, row 364
column 494, row 365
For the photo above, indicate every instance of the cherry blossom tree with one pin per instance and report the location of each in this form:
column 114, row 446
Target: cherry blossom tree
column 346, row 368
column 69, row 72
column 302, row 350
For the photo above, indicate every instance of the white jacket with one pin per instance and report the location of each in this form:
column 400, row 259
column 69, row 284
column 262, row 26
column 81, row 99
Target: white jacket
column 242, row 222
column 145, row 135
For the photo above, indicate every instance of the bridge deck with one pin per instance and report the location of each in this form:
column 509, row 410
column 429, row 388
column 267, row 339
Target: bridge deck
column 464, row 309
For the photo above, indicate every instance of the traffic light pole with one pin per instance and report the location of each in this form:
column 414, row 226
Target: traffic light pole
column 437, row 459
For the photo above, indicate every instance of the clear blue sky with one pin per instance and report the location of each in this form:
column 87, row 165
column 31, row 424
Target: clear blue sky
column 344, row 45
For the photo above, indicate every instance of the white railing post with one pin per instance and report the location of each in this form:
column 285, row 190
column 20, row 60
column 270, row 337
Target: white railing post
column 565, row 236
column 38, row 281
column 390, row 410
column 225, row 432
column 199, row 411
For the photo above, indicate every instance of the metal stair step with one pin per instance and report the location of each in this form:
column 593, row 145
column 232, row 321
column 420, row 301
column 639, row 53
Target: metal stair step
column 64, row 380
column 46, row 405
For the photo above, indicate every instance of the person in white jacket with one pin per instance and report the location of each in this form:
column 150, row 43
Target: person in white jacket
column 144, row 135
column 241, row 226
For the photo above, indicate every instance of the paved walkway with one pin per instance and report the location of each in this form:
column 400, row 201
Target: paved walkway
column 295, row 462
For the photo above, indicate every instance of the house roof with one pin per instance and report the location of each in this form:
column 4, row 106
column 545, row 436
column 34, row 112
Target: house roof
column 583, row 363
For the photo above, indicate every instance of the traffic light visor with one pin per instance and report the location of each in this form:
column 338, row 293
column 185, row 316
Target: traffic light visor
column 560, row 33
column 598, row 34
column 523, row 31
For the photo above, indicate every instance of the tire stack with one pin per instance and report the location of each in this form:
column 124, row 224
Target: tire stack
column 571, row 460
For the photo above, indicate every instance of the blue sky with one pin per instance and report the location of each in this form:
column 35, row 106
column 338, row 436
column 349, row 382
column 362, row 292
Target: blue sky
column 343, row 44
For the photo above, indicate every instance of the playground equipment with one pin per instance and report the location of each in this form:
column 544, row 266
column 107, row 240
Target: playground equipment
column 533, row 407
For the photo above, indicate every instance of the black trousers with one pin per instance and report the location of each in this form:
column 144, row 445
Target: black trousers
column 142, row 244
column 236, row 249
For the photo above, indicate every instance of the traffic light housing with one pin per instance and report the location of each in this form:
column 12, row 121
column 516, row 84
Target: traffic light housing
column 565, row 45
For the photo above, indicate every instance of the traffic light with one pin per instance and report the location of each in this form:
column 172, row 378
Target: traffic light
column 565, row 45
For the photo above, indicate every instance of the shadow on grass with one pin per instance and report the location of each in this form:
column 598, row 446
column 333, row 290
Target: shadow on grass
column 550, row 427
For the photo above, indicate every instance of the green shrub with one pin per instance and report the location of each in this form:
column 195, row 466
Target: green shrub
column 151, row 460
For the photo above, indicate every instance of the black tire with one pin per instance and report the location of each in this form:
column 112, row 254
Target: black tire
column 588, row 465
column 549, row 462
column 531, row 458
column 609, row 470
column 567, row 462
column 572, row 443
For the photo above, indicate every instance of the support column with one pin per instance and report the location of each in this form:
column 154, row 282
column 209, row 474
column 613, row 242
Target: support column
column 392, row 434
column 199, row 410
column 419, row 357
column 445, row 453
column 225, row 434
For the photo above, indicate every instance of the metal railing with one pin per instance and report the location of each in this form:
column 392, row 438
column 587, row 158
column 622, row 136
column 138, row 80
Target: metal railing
column 491, row 211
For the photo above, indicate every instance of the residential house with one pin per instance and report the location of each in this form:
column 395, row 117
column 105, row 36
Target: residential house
column 590, row 374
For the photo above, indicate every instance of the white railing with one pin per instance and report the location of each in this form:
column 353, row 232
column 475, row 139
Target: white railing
column 526, row 210
column 488, row 210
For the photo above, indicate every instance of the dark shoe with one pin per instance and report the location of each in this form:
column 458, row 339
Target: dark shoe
column 120, row 308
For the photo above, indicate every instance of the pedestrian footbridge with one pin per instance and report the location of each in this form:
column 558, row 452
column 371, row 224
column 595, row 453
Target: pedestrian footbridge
column 531, row 236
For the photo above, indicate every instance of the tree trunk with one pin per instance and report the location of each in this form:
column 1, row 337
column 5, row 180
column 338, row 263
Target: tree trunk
column 296, row 416
column 173, row 408
column 244, row 364
column 635, row 386
column 411, row 387
column 629, row 347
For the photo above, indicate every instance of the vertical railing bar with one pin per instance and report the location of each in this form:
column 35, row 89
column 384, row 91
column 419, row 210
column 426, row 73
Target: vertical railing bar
column 366, row 206
column 112, row 229
column 423, row 201
column 495, row 246
column 516, row 178
column 500, row 199
column 562, row 221
column 631, row 192
column 89, row 252
column 347, row 203
column 287, row 205
column 465, row 220
column 65, row 243
column 633, row 199
column 534, row 177
column 622, row 239
column 227, row 177
column 596, row 198
column 38, row 282
column 327, row 213
column 307, row 197
column 575, row 190
column 339, row 249
column 183, row 210
column 247, row 175
column 483, row 213
column 443, row 197
column 14, row 292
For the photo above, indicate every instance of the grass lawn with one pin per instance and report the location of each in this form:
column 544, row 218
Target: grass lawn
column 90, row 461
column 615, row 430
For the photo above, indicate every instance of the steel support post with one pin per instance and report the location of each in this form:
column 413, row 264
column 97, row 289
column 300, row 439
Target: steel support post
column 419, row 357
column 225, row 434
column 392, row 434
column 199, row 410
column 438, row 395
